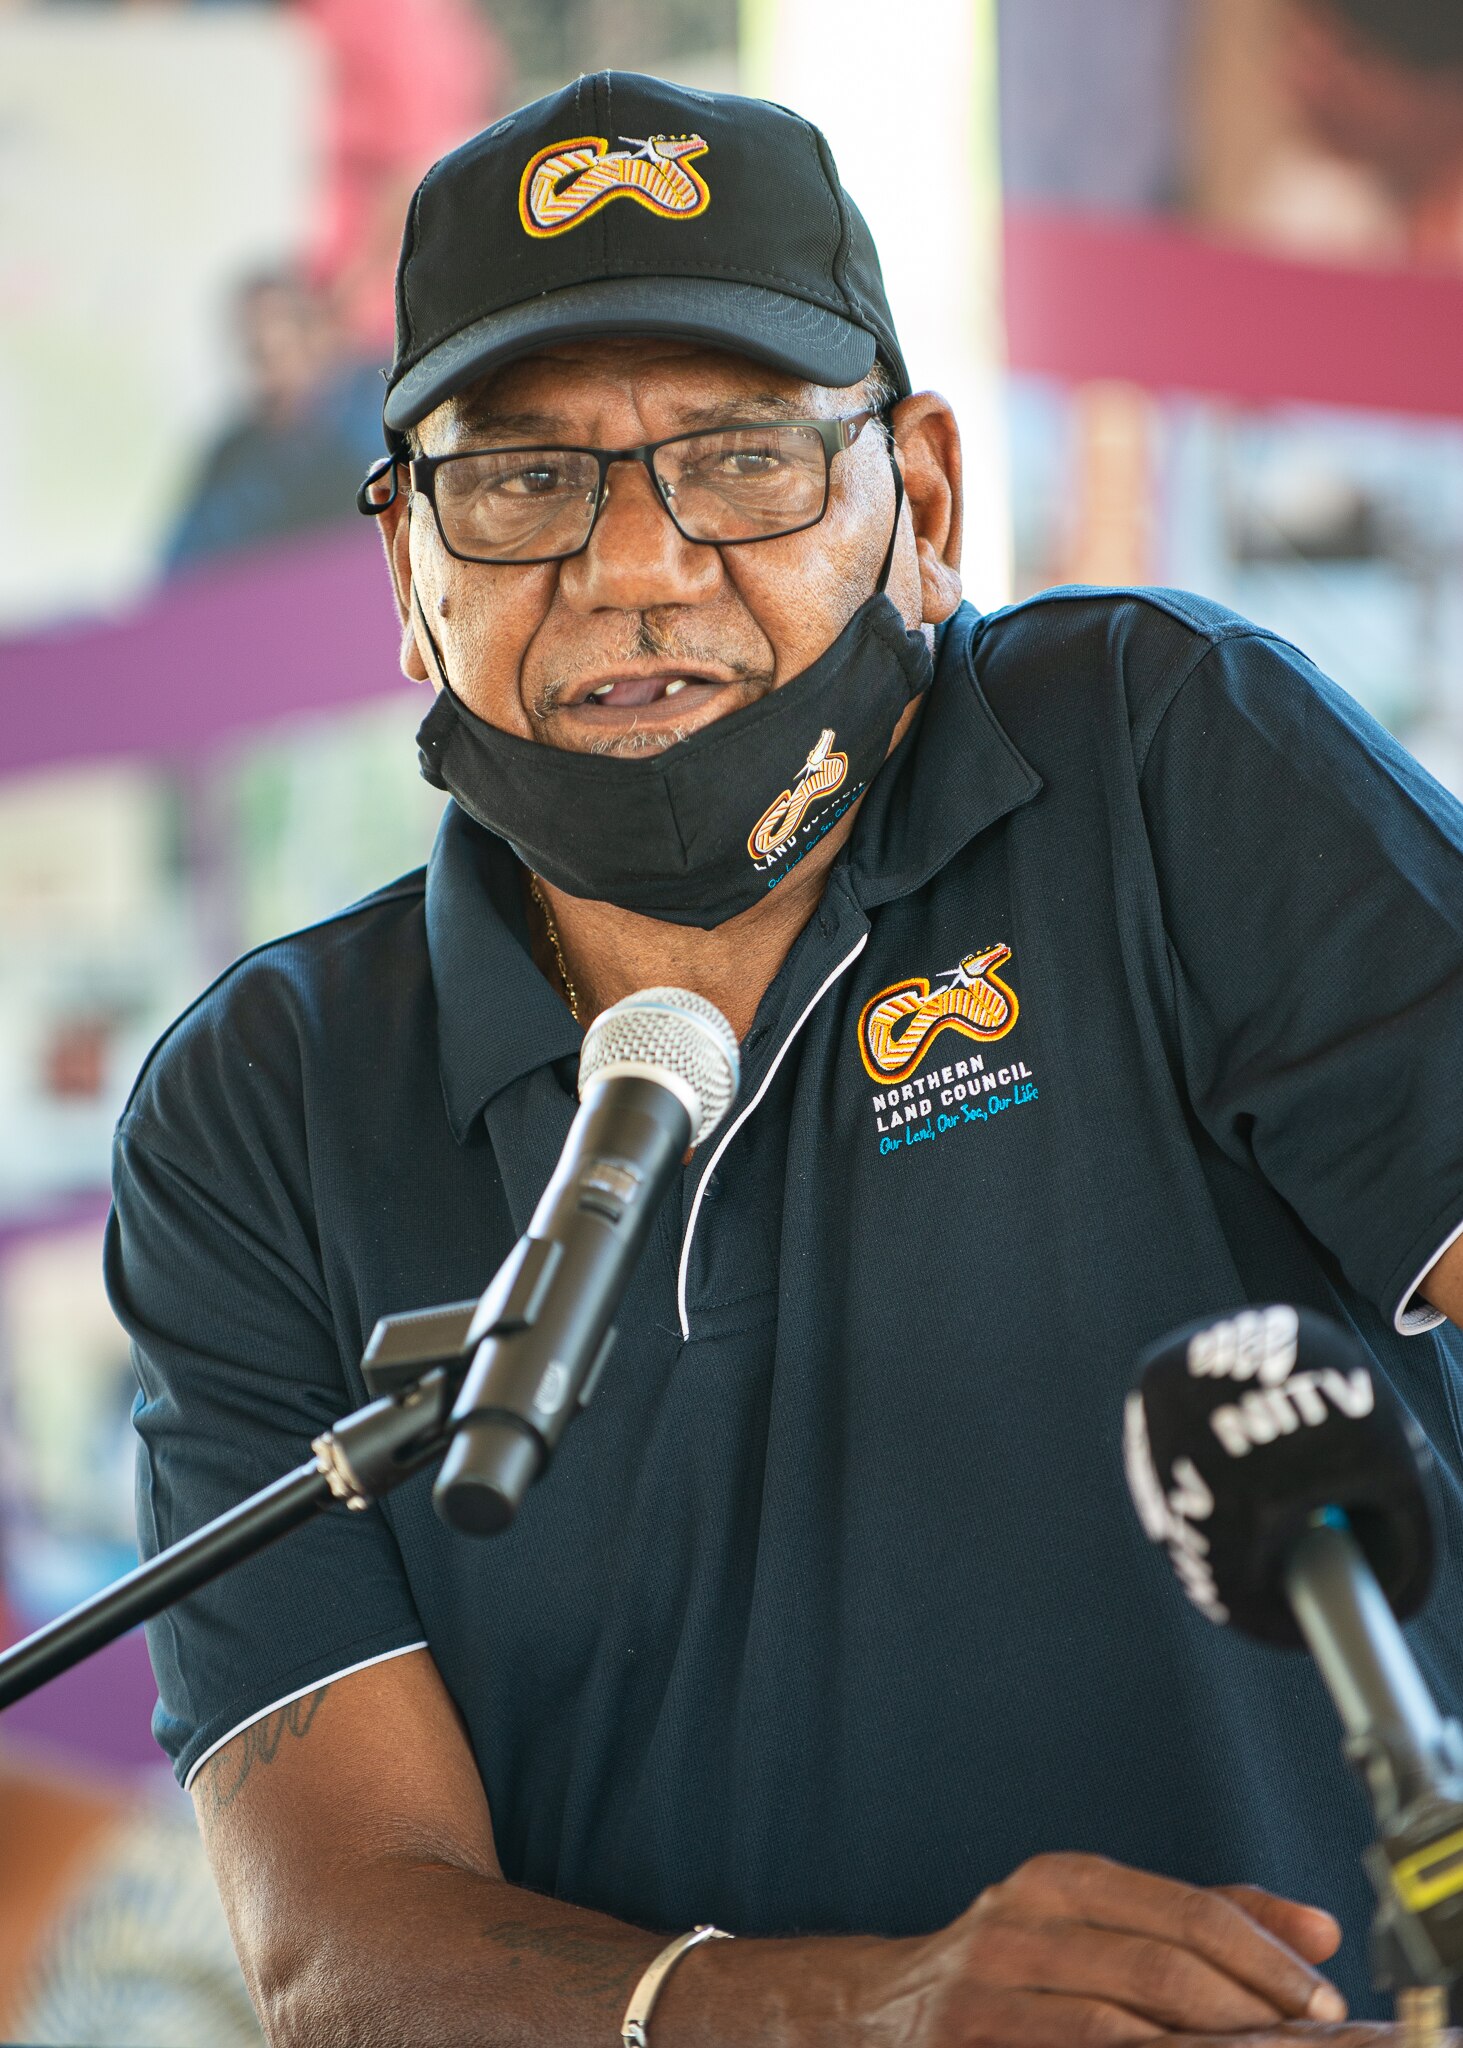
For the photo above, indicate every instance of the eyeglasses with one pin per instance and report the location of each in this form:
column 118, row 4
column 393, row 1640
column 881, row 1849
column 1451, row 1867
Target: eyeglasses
column 723, row 487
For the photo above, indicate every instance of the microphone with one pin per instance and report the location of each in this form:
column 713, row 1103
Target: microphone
column 657, row 1073
column 1287, row 1485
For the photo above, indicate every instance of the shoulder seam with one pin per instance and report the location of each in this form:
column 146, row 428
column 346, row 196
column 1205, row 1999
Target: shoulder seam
column 395, row 892
column 1169, row 603
column 1156, row 597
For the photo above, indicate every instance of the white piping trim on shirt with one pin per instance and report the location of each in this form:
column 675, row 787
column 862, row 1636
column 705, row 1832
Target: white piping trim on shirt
column 289, row 1699
column 735, row 1125
column 1411, row 1322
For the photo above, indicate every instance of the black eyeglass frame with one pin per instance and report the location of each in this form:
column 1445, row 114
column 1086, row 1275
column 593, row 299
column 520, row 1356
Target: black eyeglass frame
column 835, row 434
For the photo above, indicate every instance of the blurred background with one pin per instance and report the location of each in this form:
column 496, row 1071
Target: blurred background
column 1190, row 270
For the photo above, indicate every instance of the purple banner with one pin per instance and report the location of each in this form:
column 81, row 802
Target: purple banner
column 300, row 627
column 100, row 1712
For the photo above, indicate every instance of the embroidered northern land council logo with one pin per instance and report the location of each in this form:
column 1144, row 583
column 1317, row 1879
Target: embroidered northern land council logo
column 897, row 1029
column 897, row 1025
column 567, row 182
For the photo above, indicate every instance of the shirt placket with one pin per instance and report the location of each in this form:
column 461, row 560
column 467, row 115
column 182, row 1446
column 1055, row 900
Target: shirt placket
column 827, row 948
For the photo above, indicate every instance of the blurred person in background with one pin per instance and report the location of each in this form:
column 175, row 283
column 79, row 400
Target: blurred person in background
column 403, row 81
column 294, row 456
column 111, row 1933
column 406, row 80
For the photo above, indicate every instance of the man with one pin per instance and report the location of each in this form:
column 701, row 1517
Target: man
column 1110, row 978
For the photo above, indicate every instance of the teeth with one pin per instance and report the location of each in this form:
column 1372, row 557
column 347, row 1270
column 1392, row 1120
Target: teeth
column 671, row 689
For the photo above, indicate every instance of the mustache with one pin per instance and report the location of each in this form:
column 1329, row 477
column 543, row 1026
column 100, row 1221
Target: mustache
column 652, row 642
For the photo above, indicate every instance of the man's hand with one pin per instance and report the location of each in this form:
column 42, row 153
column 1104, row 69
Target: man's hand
column 1076, row 1952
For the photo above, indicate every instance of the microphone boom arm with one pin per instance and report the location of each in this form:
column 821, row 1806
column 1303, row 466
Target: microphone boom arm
column 363, row 1456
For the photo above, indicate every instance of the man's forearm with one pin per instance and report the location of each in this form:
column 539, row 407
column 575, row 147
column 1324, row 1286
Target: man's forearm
column 431, row 1956
column 367, row 1903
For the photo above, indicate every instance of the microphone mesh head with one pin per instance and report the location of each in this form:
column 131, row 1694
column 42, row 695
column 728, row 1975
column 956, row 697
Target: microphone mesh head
column 669, row 1034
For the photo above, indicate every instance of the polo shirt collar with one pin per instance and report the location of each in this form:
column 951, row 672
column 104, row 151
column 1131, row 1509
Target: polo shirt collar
column 956, row 772
column 497, row 1017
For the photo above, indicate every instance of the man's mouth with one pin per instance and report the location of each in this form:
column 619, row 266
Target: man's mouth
column 638, row 690
column 634, row 709
column 607, row 698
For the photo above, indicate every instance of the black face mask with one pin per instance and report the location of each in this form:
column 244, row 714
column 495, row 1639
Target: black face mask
column 704, row 830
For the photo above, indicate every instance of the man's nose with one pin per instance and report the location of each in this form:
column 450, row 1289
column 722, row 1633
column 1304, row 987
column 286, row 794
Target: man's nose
column 637, row 557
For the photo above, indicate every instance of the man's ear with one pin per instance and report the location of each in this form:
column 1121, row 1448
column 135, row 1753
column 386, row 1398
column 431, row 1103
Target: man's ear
column 395, row 522
column 928, row 444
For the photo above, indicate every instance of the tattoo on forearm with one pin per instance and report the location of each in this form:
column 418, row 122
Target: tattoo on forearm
column 586, row 1965
column 259, row 1743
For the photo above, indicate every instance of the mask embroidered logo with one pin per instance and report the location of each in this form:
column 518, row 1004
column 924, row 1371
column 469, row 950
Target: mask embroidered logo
column 567, row 182
column 820, row 774
column 896, row 1026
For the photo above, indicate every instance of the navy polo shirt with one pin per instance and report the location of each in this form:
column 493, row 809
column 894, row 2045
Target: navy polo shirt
column 1136, row 994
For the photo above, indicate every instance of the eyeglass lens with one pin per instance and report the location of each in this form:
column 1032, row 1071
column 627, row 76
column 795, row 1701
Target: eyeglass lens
column 737, row 483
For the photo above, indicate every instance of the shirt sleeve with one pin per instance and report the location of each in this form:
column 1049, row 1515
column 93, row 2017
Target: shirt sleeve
column 1311, row 881
column 213, row 1270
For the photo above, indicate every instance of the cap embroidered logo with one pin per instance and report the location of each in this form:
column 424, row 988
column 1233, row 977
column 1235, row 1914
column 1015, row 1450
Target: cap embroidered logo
column 567, row 182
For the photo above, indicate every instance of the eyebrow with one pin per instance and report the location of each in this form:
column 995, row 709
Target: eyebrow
column 544, row 428
column 733, row 411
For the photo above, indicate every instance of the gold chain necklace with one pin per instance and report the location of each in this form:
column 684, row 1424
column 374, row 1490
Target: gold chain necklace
column 571, row 994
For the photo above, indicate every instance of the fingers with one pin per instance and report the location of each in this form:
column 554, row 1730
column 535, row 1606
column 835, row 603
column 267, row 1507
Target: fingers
column 1312, row 1933
column 1052, row 2021
column 1152, row 1978
column 1299, row 2033
column 1211, row 1927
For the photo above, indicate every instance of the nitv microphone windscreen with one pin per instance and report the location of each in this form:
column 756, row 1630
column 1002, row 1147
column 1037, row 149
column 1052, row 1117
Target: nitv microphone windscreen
column 1241, row 1430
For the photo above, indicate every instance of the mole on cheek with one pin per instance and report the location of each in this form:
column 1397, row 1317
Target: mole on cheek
column 442, row 604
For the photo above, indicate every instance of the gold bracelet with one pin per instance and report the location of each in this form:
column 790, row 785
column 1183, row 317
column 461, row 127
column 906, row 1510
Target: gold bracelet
column 643, row 1997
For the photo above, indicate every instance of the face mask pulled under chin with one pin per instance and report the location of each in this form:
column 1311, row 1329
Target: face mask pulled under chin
column 699, row 833
column 704, row 830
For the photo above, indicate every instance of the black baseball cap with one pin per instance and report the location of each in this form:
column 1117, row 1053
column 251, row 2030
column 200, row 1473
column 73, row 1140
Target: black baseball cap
column 626, row 205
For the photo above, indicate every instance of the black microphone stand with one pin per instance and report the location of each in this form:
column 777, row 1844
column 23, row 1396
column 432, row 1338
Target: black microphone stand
column 414, row 1366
